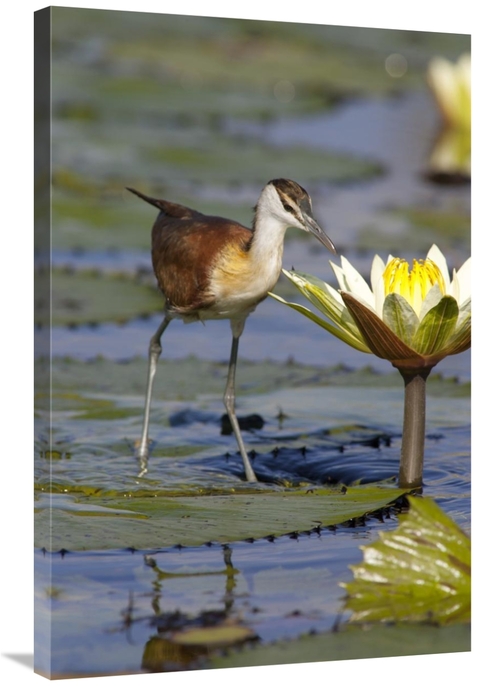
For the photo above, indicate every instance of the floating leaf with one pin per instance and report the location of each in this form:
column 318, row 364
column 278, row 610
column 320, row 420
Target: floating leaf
column 419, row 572
column 190, row 377
column 353, row 642
column 88, row 297
column 148, row 522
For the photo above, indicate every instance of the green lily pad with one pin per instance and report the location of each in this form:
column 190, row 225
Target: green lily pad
column 446, row 225
column 420, row 572
column 256, row 161
column 91, row 297
column 190, row 521
column 77, row 383
column 353, row 643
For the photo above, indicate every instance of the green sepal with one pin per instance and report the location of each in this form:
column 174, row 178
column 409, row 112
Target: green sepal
column 400, row 317
column 382, row 340
column 343, row 335
column 436, row 327
column 461, row 339
column 326, row 300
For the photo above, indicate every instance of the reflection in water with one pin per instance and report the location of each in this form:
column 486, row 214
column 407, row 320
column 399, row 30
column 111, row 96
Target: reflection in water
column 450, row 158
column 229, row 572
column 183, row 640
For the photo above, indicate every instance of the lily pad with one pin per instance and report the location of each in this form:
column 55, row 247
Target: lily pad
column 257, row 161
column 447, row 225
column 92, row 297
column 353, row 643
column 192, row 377
column 190, row 521
column 420, row 572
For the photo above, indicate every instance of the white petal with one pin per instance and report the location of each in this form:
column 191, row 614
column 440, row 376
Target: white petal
column 439, row 259
column 432, row 298
column 378, row 286
column 464, row 312
column 363, row 302
column 443, row 81
column 356, row 283
column 378, row 268
column 334, row 293
column 339, row 273
column 463, row 277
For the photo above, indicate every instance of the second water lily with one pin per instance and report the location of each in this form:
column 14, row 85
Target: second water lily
column 450, row 84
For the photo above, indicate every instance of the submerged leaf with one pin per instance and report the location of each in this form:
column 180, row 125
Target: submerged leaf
column 421, row 572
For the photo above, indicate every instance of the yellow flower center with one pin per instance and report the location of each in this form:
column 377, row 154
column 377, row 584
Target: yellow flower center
column 414, row 284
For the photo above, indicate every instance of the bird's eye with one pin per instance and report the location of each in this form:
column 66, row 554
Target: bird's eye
column 288, row 207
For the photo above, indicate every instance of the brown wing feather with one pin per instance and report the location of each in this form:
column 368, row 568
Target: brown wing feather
column 186, row 245
column 184, row 253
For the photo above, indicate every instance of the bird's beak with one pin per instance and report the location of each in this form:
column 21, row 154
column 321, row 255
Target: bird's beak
column 318, row 232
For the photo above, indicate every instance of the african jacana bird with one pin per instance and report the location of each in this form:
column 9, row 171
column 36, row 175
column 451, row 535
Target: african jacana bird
column 214, row 268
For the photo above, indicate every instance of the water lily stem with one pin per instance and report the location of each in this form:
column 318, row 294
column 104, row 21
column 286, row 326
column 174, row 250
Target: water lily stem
column 412, row 449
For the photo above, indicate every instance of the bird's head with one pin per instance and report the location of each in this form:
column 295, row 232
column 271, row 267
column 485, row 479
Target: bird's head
column 290, row 204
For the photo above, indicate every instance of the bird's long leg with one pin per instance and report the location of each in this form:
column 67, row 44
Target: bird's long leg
column 154, row 354
column 229, row 395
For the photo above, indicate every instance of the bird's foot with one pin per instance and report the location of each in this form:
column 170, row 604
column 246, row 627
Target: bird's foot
column 142, row 454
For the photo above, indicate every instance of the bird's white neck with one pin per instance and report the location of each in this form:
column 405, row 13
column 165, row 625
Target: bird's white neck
column 270, row 225
column 243, row 278
column 267, row 240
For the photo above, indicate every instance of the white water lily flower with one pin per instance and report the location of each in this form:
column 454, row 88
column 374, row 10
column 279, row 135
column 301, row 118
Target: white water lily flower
column 412, row 316
column 451, row 86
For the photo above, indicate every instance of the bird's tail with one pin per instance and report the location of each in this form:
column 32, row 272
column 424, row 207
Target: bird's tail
column 171, row 209
column 152, row 201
